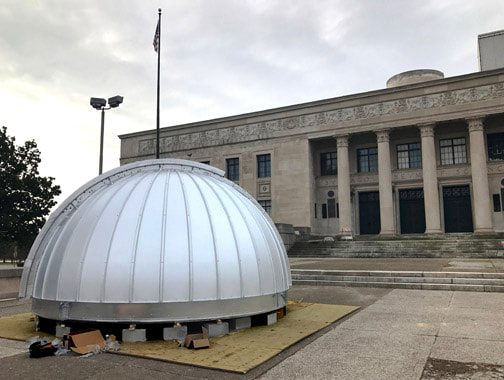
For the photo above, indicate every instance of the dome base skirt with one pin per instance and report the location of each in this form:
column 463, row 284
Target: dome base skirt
column 158, row 312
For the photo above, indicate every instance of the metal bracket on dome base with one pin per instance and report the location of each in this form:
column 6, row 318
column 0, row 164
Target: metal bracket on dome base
column 159, row 312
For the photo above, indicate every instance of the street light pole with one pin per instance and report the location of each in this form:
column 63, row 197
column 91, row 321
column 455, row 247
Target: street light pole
column 99, row 104
column 100, row 170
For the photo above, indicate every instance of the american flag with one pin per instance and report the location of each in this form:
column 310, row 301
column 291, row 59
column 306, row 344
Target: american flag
column 156, row 38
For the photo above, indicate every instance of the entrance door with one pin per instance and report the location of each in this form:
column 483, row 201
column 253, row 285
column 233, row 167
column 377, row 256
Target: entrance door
column 412, row 206
column 369, row 213
column 457, row 209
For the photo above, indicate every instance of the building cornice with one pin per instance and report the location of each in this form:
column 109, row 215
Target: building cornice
column 362, row 98
column 406, row 105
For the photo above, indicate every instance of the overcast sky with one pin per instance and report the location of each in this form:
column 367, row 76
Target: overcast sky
column 219, row 58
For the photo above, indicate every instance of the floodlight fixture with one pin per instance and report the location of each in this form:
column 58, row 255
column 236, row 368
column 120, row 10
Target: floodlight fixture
column 115, row 101
column 98, row 103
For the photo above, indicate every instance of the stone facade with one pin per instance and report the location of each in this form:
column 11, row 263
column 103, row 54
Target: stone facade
column 402, row 127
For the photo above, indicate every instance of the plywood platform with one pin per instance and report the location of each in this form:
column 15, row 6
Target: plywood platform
column 240, row 351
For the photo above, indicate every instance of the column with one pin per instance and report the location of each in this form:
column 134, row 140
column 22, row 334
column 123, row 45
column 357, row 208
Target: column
column 385, row 184
column 345, row 208
column 430, row 182
column 481, row 194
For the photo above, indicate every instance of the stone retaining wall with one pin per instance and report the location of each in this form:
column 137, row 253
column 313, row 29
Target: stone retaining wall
column 287, row 233
column 9, row 282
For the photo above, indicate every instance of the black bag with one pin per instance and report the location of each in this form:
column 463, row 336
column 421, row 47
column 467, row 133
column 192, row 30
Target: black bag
column 40, row 349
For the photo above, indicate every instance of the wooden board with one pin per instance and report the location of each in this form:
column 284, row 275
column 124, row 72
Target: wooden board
column 240, row 351
column 19, row 327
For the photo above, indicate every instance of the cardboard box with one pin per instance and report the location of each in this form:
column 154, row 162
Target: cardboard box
column 82, row 342
column 197, row 341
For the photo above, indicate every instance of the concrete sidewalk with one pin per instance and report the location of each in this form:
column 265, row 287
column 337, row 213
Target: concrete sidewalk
column 409, row 334
column 407, row 264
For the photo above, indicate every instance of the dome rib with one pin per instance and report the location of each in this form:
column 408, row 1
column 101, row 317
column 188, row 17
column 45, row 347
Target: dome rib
column 273, row 234
column 189, row 238
column 137, row 235
column 233, row 233
column 116, row 222
column 216, row 257
column 43, row 262
column 272, row 264
column 85, row 250
column 75, row 217
column 163, row 237
column 259, row 274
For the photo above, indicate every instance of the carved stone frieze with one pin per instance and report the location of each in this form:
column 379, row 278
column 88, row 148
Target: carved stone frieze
column 496, row 167
column 454, row 171
column 324, row 182
column 407, row 175
column 363, row 179
column 271, row 128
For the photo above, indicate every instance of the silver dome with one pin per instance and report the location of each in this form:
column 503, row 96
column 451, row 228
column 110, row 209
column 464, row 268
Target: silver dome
column 157, row 240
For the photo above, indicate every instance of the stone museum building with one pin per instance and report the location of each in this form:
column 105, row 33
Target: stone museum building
column 423, row 155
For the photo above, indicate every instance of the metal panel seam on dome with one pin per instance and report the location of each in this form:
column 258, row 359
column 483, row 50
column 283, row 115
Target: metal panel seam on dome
column 137, row 232
column 216, row 257
column 233, row 233
column 105, row 272
column 259, row 274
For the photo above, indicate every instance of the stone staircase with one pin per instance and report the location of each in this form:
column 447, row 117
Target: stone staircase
column 435, row 246
column 460, row 281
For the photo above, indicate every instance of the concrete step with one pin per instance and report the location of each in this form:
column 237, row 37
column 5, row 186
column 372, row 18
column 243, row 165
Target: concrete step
column 377, row 273
column 466, row 281
column 395, row 285
column 465, row 245
column 477, row 247
column 430, row 280
column 401, row 254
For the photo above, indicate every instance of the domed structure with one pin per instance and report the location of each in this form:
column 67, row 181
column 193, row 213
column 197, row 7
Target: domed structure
column 155, row 241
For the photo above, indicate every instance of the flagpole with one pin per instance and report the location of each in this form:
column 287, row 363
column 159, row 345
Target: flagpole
column 158, row 74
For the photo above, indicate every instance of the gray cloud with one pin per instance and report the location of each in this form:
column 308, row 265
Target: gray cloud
column 219, row 57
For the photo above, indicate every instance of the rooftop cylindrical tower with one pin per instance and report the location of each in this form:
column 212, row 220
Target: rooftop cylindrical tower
column 414, row 76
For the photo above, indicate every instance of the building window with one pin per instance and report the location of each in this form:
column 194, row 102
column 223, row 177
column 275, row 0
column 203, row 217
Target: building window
column 496, row 203
column 367, row 160
column 409, row 156
column 233, row 169
column 495, row 142
column 331, row 208
column 453, row 151
column 266, row 205
column 315, row 211
column 324, row 211
column 264, row 165
column 328, row 163
column 205, row 162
